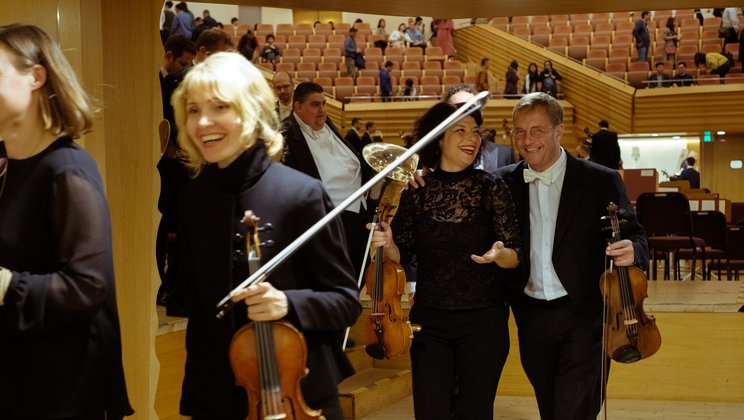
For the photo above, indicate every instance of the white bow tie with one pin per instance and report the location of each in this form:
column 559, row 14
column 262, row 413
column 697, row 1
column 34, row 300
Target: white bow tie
column 530, row 176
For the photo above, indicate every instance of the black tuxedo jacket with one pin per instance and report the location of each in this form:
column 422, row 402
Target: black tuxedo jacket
column 580, row 241
column 495, row 156
column 297, row 153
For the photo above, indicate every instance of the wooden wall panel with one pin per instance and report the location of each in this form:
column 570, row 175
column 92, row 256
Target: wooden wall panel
column 690, row 109
column 716, row 173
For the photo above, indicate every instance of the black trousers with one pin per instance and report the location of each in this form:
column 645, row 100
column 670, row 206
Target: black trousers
column 464, row 350
column 561, row 351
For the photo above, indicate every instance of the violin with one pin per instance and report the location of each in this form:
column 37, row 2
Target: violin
column 629, row 333
column 389, row 332
column 269, row 358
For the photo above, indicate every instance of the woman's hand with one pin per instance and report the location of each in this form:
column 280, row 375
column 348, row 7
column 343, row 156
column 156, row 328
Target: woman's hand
column 502, row 256
column 264, row 301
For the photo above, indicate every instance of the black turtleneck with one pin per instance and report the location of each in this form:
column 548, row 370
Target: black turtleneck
column 455, row 215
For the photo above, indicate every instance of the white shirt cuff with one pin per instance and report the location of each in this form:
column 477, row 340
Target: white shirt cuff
column 410, row 287
column 5, row 277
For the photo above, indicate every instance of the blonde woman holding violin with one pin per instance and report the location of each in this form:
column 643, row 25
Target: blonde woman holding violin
column 228, row 128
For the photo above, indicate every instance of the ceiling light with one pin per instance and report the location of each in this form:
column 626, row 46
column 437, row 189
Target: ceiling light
column 721, row 133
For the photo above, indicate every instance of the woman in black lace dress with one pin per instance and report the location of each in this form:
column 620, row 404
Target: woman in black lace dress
column 447, row 224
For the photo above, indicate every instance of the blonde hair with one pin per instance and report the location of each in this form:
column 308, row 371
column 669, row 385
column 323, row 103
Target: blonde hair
column 232, row 79
column 65, row 107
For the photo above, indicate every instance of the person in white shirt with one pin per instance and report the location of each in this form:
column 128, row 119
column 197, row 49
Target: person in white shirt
column 399, row 38
column 730, row 25
column 556, row 299
column 314, row 146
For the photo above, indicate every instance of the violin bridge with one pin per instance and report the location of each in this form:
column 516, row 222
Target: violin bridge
column 630, row 321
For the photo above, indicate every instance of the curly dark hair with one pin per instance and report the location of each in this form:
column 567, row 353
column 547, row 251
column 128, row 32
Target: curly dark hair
column 431, row 154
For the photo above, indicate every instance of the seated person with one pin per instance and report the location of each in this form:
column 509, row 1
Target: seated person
column 399, row 38
column 270, row 52
column 683, row 78
column 417, row 37
column 409, row 90
column 659, row 78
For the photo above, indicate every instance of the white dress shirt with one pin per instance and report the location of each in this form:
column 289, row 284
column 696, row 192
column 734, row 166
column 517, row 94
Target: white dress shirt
column 339, row 168
column 544, row 199
column 284, row 110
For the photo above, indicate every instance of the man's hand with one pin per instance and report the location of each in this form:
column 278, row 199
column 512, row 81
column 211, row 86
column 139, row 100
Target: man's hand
column 621, row 252
column 417, row 179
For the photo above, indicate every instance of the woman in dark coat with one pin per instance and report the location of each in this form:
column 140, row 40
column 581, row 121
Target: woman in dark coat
column 59, row 327
column 229, row 131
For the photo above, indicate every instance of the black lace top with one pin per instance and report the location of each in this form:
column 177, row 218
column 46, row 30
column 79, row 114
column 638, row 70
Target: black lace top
column 455, row 215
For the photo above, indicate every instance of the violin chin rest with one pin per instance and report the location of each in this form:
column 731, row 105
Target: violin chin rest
column 375, row 351
column 627, row 354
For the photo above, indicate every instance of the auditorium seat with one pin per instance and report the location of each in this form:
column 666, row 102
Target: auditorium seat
column 622, row 40
column 619, row 55
column 636, row 78
column 412, row 68
column 430, row 85
column 306, row 70
column 326, row 82
column 316, row 41
column 332, row 55
column 323, row 29
column 366, row 85
column 708, row 79
column 541, row 35
column 454, row 68
column 562, row 32
column 342, row 28
column 734, row 78
column 304, row 29
column 413, row 54
column 262, row 29
column 344, row 87
column 288, row 67
column 285, row 29
column 433, row 68
column 616, row 70
column 470, row 80
column 522, row 31
column 329, row 70
column 501, row 22
column 624, row 26
column 394, row 54
column 583, row 29
column 291, row 55
column 604, row 28
column 449, row 81
column 596, row 59
column 336, row 41
column 435, row 54
column 311, row 55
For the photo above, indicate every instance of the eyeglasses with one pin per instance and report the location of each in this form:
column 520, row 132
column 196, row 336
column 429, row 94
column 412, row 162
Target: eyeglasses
column 536, row 132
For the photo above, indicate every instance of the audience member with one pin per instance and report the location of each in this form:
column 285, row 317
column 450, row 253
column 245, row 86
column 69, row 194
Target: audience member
column 659, row 78
column 248, row 44
column 512, row 80
column 409, row 90
column 481, row 85
column 415, row 34
column 315, row 147
column 350, row 52
column 605, row 148
column 370, row 131
column 166, row 20
column 386, row 84
column 235, row 22
column 445, row 30
column 531, row 79
column 399, row 38
column 689, row 174
column 270, row 52
column 729, row 28
column 683, row 78
column 179, row 54
column 183, row 22
column 714, row 63
column 549, row 78
column 641, row 35
column 354, row 135
column 671, row 39
column 283, row 87
column 208, row 20
column 381, row 28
